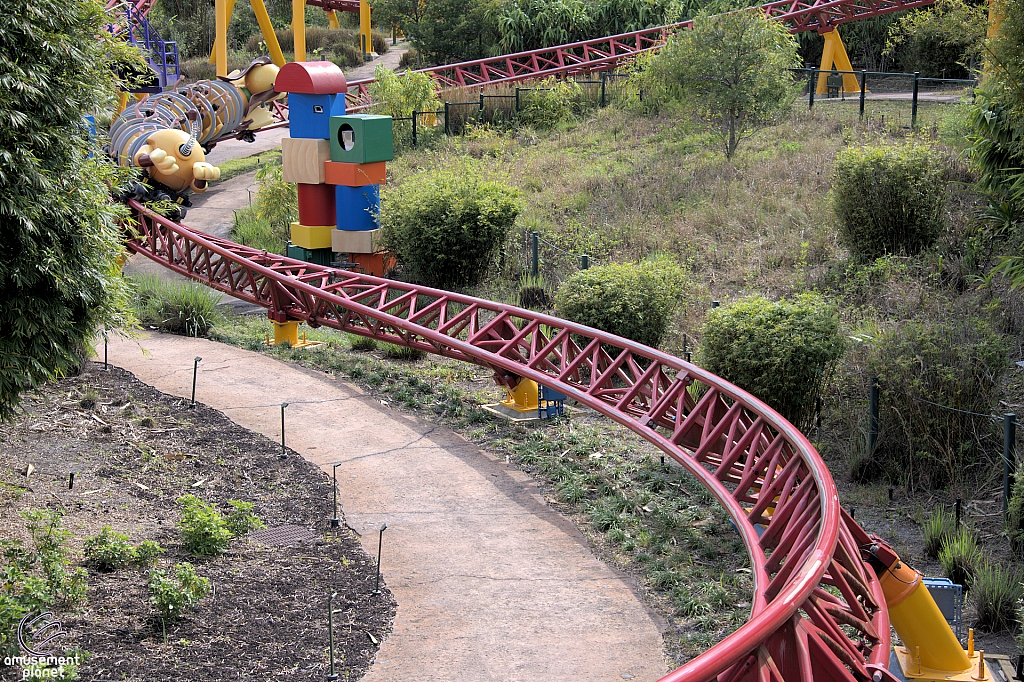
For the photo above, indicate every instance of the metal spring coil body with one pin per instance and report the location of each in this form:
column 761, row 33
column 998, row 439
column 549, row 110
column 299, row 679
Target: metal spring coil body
column 221, row 108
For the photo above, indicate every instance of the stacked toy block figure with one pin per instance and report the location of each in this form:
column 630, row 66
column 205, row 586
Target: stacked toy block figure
column 339, row 163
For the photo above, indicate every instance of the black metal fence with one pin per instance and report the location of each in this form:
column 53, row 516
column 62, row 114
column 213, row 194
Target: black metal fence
column 874, row 86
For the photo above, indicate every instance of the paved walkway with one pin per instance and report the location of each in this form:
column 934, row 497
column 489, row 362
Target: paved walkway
column 491, row 583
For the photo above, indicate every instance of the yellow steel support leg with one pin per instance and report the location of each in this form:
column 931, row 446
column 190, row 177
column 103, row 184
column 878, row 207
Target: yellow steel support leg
column 222, row 9
column 931, row 650
column 332, row 20
column 288, row 332
column 299, row 29
column 364, row 29
column 267, row 29
column 122, row 103
column 523, row 398
column 834, row 56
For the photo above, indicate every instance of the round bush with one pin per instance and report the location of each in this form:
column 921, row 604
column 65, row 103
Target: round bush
column 889, row 199
column 635, row 301
column 444, row 226
column 782, row 352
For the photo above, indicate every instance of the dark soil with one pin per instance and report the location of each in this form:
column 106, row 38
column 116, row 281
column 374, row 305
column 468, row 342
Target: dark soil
column 134, row 451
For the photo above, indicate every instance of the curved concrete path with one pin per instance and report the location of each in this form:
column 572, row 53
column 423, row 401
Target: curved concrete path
column 491, row 583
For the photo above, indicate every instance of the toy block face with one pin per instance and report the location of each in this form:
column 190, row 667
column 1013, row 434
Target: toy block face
column 316, row 204
column 311, row 236
column 355, row 241
column 355, row 174
column 358, row 208
column 309, row 116
column 361, row 138
column 303, row 159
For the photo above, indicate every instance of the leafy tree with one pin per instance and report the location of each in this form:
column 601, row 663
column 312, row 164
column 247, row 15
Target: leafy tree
column 939, row 39
column 783, row 352
column 456, row 30
column 59, row 234
column 731, row 69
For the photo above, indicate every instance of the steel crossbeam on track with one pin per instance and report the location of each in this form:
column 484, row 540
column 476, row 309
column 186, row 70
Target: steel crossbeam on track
column 818, row 612
column 602, row 54
column 339, row 5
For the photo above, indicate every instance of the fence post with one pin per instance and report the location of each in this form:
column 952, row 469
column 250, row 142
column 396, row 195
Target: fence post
column 872, row 415
column 517, row 100
column 414, row 113
column 604, row 80
column 481, row 99
column 810, row 90
column 535, row 247
column 1009, row 443
column 447, row 128
column 863, row 90
column 913, row 106
column 584, row 262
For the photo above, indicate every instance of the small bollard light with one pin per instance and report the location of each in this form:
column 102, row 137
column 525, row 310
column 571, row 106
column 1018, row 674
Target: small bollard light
column 195, row 371
column 380, row 542
column 106, row 365
column 335, row 523
column 284, row 453
column 330, row 633
column 71, row 480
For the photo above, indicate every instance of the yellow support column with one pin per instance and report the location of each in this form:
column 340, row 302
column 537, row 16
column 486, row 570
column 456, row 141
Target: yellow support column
column 222, row 9
column 221, row 32
column 365, row 40
column 332, row 20
column 834, row 55
column 267, row 29
column 299, row 29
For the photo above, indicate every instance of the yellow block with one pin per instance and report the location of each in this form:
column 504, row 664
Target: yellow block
column 312, row 236
column 302, row 160
column 355, row 241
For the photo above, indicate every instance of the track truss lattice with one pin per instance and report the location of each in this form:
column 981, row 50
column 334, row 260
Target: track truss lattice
column 818, row 612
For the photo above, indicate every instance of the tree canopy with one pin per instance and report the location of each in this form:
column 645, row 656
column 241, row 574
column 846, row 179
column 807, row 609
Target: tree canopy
column 731, row 69
column 59, row 235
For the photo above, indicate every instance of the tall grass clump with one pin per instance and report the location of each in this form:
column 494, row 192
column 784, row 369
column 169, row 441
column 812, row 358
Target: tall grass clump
column 997, row 593
column 183, row 308
column 632, row 300
column 445, row 225
column 1015, row 509
column 937, row 527
column 923, row 369
column 265, row 224
column 783, row 352
column 550, row 103
column 961, row 558
column 888, row 198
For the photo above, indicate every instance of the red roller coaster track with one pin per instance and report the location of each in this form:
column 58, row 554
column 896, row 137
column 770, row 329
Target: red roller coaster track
column 602, row 54
column 818, row 612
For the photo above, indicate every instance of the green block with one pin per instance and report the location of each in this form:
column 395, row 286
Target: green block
column 361, row 138
column 314, row 256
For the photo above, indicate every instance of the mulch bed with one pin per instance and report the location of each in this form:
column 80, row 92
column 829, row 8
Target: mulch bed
column 134, row 451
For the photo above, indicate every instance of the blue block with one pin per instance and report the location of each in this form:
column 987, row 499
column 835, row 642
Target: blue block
column 357, row 208
column 310, row 115
column 338, row 108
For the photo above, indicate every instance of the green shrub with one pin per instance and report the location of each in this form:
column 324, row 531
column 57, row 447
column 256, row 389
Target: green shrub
column 400, row 95
column 961, row 557
column 172, row 596
column 632, row 300
column 997, row 593
column 146, row 554
column 1015, row 508
column 783, row 352
column 265, row 224
column 110, row 551
column 241, row 520
column 888, row 199
column 175, row 307
column 549, row 103
column 940, row 525
column 203, row 529
column 445, row 225
column 922, row 366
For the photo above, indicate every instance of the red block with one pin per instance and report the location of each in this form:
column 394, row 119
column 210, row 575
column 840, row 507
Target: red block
column 316, row 204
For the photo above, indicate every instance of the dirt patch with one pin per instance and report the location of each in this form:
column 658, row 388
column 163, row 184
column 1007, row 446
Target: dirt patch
column 134, row 451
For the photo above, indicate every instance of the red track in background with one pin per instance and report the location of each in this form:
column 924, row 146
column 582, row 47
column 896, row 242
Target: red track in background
column 761, row 469
column 602, row 54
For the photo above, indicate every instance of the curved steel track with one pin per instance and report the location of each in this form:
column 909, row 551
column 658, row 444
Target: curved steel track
column 818, row 611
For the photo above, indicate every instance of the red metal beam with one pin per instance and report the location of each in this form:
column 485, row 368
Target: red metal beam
column 763, row 471
column 602, row 54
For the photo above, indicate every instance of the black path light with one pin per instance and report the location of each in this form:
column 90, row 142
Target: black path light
column 195, row 371
column 380, row 542
column 283, row 454
column 335, row 523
